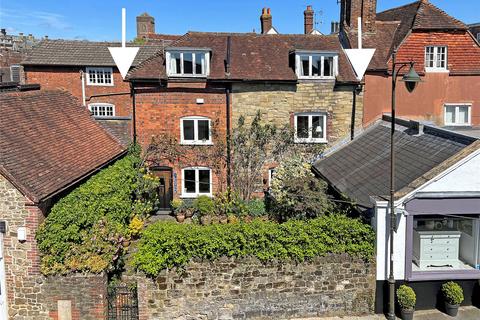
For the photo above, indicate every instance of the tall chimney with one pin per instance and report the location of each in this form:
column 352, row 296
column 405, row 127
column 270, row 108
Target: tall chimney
column 350, row 10
column 145, row 25
column 308, row 20
column 266, row 20
column 335, row 27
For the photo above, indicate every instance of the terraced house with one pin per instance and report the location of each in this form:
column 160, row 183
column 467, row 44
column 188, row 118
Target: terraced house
column 205, row 81
column 445, row 52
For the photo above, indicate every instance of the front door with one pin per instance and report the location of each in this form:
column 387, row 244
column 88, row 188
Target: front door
column 3, row 285
column 165, row 193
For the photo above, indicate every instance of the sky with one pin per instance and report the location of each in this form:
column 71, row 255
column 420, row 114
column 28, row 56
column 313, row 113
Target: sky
column 100, row 20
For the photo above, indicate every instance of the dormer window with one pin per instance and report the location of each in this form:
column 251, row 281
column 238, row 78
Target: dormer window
column 316, row 65
column 188, row 63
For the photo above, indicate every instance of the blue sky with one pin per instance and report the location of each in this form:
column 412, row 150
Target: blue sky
column 101, row 19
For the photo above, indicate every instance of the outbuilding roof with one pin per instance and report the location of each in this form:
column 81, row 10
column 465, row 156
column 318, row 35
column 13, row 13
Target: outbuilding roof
column 361, row 168
column 48, row 141
column 253, row 57
column 82, row 53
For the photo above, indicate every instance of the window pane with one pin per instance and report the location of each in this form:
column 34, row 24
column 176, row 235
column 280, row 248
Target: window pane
column 199, row 63
column 187, row 63
column 316, row 66
column 204, row 181
column 463, row 115
column 189, row 181
column 304, row 65
column 203, row 130
column 450, row 114
column 328, row 67
column 317, row 127
column 429, row 57
column 175, row 62
column 302, row 126
column 188, row 130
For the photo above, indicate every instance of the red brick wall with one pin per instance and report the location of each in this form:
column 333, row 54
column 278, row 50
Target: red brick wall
column 158, row 111
column 460, row 85
column 463, row 52
column 68, row 78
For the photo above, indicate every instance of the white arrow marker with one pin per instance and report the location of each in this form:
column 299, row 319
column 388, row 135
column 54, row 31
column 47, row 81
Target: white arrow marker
column 123, row 56
column 360, row 58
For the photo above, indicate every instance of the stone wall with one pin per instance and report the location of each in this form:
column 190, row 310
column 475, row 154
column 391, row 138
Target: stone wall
column 278, row 102
column 30, row 295
column 247, row 289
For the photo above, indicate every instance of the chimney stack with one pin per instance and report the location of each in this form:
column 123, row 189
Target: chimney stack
column 266, row 20
column 308, row 20
column 335, row 27
column 4, row 32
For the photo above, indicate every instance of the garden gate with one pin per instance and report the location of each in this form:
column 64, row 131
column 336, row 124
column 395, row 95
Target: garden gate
column 122, row 302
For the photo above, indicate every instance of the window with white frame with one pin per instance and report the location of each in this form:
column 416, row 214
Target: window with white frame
column 188, row 63
column 310, row 127
column 102, row 109
column 435, row 58
column 196, row 181
column 316, row 65
column 195, row 130
column 271, row 174
column 100, row 76
column 457, row 114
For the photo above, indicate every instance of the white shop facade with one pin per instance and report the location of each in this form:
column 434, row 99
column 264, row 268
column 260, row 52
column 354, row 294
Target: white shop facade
column 438, row 234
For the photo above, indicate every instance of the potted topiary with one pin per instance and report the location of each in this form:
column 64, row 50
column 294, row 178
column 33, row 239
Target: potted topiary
column 177, row 206
column 453, row 295
column 406, row 299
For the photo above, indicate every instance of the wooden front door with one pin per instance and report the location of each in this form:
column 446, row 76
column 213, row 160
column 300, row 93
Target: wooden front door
column 165, row 192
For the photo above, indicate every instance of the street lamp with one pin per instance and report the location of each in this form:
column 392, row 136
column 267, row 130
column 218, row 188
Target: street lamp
column 411, row 80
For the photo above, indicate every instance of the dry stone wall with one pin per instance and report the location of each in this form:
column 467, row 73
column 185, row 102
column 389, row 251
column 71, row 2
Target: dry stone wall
column 247, row 289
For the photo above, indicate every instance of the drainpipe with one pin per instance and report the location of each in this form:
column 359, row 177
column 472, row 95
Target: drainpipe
column 82, row 78
column 227, row 101
column 355, row 92
column 134, row 118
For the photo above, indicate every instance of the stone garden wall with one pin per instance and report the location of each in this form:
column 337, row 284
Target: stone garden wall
column 247, row 289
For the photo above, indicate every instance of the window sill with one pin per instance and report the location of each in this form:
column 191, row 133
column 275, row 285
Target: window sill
column 100, row 84
column 457, row 125
column 433, row 70
column 188, row 75
column 319, row 141
column 444, row 275
column 196, row 143
column 195, row 195
column 315, row 78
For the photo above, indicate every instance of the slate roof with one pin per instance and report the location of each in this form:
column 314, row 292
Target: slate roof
column 82, row 53
column 253, row 57
column 361, row 168
column 48, row 141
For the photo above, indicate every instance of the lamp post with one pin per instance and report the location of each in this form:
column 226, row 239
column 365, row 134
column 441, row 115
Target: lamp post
column 411, row 79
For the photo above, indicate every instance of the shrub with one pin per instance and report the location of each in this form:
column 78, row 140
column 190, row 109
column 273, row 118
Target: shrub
column 256, row 208
column 296, row 192
column 452, row 293
column 167, row 245
column 406, row 297
column 204, row 205
column 89, row 229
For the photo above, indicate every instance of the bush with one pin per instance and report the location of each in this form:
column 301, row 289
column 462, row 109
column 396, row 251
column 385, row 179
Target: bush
column 406, row 297
column 452, row 293
column 89, row 229
column 296, row 192
column 256, row 208
column 167, row 245
column 204, row 205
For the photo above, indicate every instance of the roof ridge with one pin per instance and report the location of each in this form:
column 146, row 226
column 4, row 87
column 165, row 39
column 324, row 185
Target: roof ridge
column 431, row 5
column 400, row 7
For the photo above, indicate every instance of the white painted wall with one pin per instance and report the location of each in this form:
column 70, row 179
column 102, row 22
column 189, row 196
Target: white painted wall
column 465, row 177
column 382, row 224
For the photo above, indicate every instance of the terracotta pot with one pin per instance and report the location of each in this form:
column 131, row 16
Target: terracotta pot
column 407, row 314
column 451, row 309
column 180, row 218
column 189, row 213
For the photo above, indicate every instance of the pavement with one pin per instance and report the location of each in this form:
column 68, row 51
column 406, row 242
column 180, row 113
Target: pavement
column 465, row 313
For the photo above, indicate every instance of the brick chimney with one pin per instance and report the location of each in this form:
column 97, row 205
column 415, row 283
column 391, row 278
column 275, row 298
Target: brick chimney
column 352, row 9
column 145, row 25
column 308, row 20
column 266, row 20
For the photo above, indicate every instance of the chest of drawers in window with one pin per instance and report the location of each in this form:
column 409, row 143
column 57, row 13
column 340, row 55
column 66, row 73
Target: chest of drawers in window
column 436, row 248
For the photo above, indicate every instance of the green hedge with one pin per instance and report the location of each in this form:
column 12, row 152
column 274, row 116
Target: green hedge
column 168, row 244
column 86, row 229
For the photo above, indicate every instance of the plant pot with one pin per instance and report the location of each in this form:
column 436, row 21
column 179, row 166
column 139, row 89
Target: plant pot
column 180, row 218
column 451, row 309
column 407, row 314
column 189, row 213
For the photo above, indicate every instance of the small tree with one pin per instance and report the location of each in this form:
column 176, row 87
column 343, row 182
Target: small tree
column 296, row 192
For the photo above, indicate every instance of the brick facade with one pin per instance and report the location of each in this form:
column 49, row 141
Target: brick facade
column 30, row 295
column 248, row 289
column 461, row 84
column 159, row 111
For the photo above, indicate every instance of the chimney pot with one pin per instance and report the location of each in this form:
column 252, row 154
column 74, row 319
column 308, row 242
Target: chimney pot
column 266, row 20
